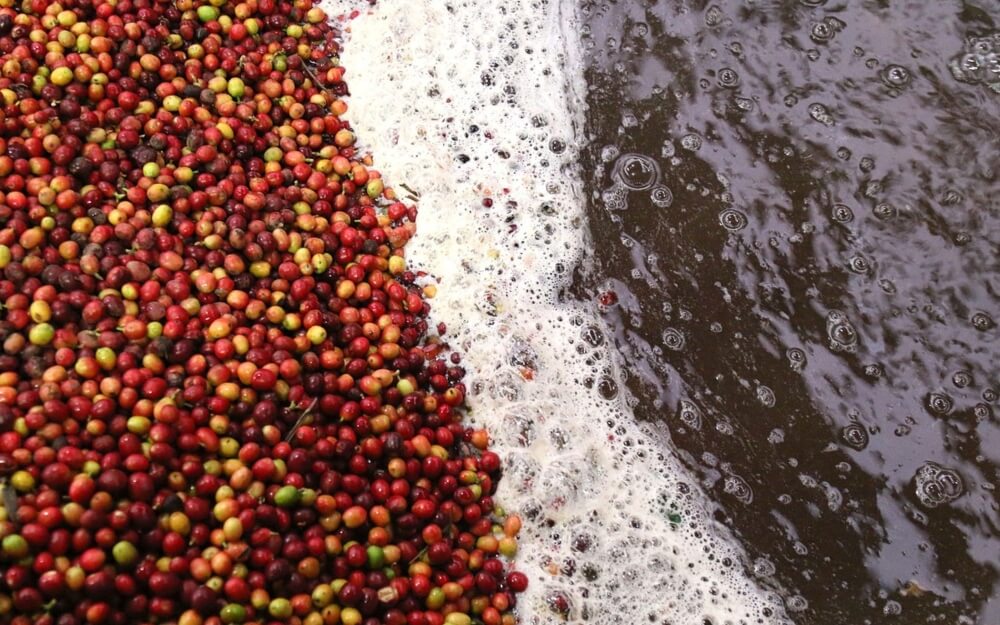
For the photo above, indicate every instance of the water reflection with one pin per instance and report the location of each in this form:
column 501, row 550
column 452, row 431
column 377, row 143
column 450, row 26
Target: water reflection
column 812, row 317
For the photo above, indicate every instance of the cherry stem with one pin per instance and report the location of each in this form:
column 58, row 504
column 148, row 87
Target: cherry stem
column 301, row 420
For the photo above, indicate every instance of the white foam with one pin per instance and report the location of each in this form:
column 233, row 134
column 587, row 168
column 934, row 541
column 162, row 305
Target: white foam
column 611, row 523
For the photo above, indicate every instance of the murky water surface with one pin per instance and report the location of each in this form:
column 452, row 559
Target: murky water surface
column 796, row 225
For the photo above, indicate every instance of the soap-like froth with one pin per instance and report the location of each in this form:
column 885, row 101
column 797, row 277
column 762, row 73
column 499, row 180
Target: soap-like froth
column 480, row 99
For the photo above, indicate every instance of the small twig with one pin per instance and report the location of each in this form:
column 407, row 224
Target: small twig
column 312, row 75
column 417, row 557
column 9, row 500
column 319, row 85
column 301, row 419
column 409, row 190
column 468, row 449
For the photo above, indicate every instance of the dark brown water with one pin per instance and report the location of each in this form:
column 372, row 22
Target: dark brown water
column 806, row 290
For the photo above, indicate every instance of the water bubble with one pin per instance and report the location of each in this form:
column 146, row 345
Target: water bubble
column 937, row 485
column 843, row 336
column 855, row 436
column 558, row 146
column 592, row 335
column 765, row 396
column 732, row 220
column 952, row 197
column 661, row 196
column 820, row 113
column 637, row 172
column 762, row 567
column 523, row 426
column 961, row 379
column 874, row 371
column 690, row 414
column 506, row 387
column 691, row 142
column 559, row 483
column 940, row 403
column 841, row 213
column 896, row 76
column 607, row 388
column 969, row 65
column 992, row 64
column 728, row 78
column 892, row 608
column 797, row 603
column 982, row 322
column 834, row 498
column 859, row 264
column 737, row 487
column 982, row 412
column 822, row 32
column 614, row 198
column 673, row 339
column 713, row 16
column 796, row 358
column 979, row 63
column 873, row 189
column 884, row 211
column 522, row 354
column 559, row 438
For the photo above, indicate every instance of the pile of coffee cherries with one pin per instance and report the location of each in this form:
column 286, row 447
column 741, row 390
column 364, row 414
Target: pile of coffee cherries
column 219, row 399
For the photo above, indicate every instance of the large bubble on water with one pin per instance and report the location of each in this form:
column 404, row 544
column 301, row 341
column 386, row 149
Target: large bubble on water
column 595, row 487
column 839, row 329
column 636, row 172
column 979, row 62
column 936, row 485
